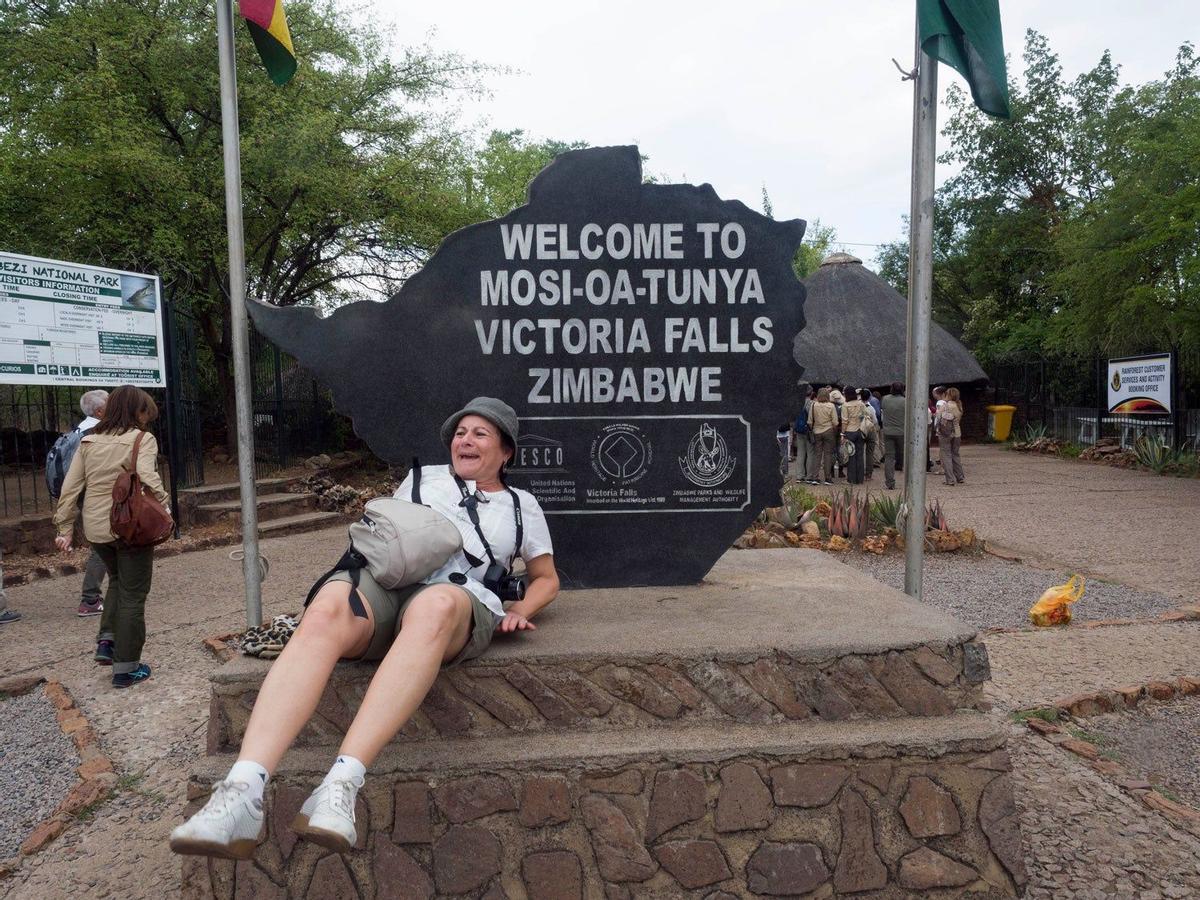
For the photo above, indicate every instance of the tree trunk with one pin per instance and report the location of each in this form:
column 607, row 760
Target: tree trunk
column 214, row 323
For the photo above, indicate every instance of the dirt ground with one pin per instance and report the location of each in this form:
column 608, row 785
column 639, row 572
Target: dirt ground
column 1084, row 838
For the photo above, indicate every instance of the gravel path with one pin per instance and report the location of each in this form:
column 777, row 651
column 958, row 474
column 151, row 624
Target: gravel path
column 987, row 592
column 1160, row 742
column 1086, row 839
column 33, row 743
column 1036, row 667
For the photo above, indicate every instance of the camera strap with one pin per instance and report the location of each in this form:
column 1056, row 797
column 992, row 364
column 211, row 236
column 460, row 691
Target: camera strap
column 471, row 502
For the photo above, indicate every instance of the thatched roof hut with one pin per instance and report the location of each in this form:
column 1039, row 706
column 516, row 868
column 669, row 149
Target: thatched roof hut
column 856, row 331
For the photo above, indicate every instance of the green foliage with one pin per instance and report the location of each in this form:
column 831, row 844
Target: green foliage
column 1071, row 228
column 818, row 240
column 1033, row 431
column 797, row 499
column 1151, row 451
column 110, row 154
column 885, row 510
column 1070, row 451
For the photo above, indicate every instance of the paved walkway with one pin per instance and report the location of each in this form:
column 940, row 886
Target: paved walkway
column 152, row 732
column 1127, row 526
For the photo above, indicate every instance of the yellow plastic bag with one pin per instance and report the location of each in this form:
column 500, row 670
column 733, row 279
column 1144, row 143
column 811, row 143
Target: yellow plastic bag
column 1055, row 606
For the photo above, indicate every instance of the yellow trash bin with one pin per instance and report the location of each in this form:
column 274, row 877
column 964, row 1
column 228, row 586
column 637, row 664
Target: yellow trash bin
column 1000, row 421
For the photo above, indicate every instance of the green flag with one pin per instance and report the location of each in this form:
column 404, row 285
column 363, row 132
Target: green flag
column 965, row 34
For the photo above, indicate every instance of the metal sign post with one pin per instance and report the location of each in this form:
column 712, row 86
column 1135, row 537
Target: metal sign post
column 920, row 284
column 237, row 310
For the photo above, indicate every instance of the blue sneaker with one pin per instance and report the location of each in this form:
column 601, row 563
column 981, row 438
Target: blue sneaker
column 104, row 653
column 129, row 679
column 9, row 616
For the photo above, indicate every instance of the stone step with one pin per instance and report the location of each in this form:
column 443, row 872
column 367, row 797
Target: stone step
column 219, row 493
column 915, row 805
column 310, row 521
column 766, row 639
column 270, row 506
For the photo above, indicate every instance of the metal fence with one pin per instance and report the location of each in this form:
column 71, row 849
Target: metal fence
column 31, row 419
column 1066, row 395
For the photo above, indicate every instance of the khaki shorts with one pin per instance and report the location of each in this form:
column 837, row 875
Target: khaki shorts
column 388, row 608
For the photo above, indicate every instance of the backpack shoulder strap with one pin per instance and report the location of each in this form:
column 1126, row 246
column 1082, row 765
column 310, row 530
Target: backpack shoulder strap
column 137, row 444
column 416, row 484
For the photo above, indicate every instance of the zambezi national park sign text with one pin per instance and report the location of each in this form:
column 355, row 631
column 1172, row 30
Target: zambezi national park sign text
column 642, row 332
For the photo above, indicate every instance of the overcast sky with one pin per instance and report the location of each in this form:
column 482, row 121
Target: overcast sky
column 799, row 96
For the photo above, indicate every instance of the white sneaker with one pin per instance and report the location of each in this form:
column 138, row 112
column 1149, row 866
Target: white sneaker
column 327, row 816
column 231, row 825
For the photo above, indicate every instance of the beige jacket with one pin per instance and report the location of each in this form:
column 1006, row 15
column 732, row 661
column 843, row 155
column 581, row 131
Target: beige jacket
column 852, row 413
column 824, row 417
column 94, row 469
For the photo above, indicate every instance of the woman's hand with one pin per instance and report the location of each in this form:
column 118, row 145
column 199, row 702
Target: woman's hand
column 63, row 543
column 516, row 622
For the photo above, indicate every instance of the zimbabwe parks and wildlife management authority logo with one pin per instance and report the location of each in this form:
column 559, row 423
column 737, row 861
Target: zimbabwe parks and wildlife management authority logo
column 708, row 461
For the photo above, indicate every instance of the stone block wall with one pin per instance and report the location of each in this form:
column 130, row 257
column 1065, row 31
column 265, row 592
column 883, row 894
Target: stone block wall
column 484, row 699
column 892, row 825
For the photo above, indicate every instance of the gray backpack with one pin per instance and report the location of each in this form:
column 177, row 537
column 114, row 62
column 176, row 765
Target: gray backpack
column 398, row 542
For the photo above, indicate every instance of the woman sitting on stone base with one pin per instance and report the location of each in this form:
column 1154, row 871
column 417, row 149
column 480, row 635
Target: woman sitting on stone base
column 412, row 631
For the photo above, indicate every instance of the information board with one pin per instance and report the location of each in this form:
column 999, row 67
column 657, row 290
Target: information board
column 1140, row 384
column 67, row 324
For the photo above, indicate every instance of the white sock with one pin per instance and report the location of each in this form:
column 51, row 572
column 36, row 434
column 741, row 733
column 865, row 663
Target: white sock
column 347, row 768
column 250, row 773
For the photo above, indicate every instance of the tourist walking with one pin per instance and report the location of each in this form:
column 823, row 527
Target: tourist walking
column 892, row 426
column 853, row 413
column 802, row 444
column 949, row 428
column 102, row 456
column 58, row 463
column 824, row 425
column 411, row 631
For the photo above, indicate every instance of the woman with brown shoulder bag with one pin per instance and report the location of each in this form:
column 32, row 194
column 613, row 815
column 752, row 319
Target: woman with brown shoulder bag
column 119, row 450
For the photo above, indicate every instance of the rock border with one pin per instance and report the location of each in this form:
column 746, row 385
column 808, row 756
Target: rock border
column 97, row 776
column 1082, row 706
column 218, row 646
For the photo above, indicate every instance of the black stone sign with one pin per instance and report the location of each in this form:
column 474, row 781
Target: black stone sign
column 642, row 332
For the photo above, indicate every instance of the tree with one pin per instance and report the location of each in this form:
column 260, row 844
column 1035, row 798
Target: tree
column 818, row 239
column 499, row 177
column 110, row 153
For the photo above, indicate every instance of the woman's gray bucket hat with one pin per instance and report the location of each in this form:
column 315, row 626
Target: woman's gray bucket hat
column 495, row 411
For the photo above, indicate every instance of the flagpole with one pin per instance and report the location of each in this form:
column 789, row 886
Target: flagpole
column 920, row 284
column 240, row 330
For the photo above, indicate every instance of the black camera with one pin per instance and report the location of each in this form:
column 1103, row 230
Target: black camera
column 503, row 584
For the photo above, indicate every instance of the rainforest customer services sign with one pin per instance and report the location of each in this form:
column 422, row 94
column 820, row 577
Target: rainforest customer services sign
column 1140, row 384
column 67, row 324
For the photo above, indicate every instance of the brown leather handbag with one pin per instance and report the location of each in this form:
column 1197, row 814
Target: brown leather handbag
column 137, row 518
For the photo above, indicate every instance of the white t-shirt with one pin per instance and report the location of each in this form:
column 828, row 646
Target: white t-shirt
column 439, row 491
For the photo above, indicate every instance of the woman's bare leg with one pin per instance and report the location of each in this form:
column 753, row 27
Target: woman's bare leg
column 328, row 631
column 435, row 628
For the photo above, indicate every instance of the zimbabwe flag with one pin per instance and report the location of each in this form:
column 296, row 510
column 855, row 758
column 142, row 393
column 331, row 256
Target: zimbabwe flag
column 268, row 27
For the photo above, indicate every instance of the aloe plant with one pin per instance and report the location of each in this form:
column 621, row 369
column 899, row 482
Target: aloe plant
column 849, row 515
column 1152, row 451
column 935, row 518
column 885, row 511
column 1034, row 432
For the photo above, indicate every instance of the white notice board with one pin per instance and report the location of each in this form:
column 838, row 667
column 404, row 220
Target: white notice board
column 66, row 324
column 1140, row 384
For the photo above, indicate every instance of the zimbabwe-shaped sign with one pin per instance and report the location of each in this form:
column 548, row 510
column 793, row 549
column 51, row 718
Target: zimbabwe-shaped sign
column 642, row 332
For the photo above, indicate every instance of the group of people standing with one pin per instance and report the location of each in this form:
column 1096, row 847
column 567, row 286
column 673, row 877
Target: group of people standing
column 847, row 431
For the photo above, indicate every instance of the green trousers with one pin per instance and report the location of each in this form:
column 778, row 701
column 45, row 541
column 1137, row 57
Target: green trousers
column 124, row 618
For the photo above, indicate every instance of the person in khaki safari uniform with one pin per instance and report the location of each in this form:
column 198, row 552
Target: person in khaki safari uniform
column 102, row 456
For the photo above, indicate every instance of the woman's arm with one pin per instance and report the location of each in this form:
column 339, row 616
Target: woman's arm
column 542, row 588
column 68, row 501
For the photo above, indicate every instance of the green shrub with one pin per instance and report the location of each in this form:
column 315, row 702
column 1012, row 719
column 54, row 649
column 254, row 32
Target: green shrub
column 885, row 511
column 797, row 499
column 1070, row 451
